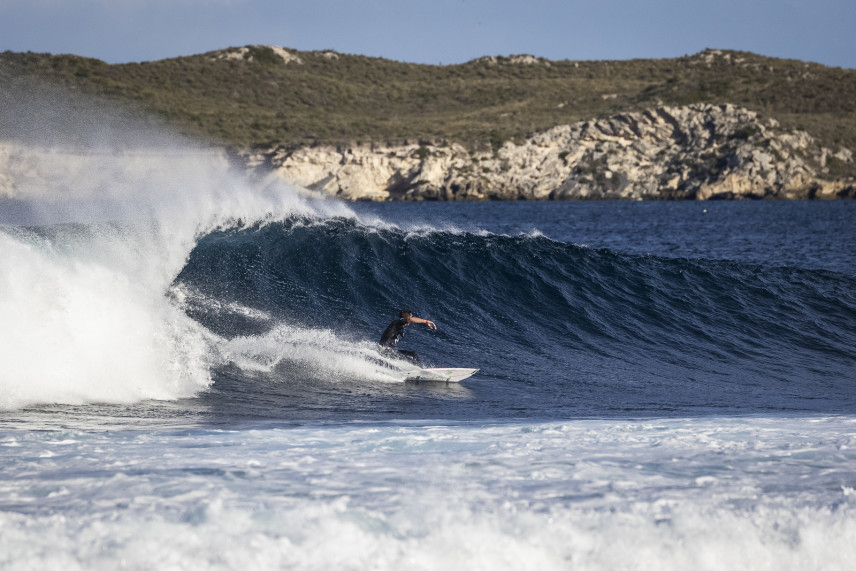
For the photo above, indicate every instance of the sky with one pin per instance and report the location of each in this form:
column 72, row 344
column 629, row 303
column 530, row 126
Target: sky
column 435, row 31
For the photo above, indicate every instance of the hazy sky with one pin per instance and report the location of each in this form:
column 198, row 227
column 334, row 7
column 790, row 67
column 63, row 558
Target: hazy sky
column 435, row 31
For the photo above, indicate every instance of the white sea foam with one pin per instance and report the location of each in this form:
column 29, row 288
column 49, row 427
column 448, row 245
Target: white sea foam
column 189, row 297
column 76, row 330
column 319, row 351
column 84, row 310
column 718, row 493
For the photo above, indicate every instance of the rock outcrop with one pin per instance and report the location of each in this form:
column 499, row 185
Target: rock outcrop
column 695, row 152
column 246, row 54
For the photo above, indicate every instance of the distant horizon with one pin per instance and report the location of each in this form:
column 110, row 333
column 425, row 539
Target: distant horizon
column 443, row 32
column 440, row 64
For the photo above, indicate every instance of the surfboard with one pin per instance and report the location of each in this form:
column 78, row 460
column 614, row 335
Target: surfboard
column 441, row 374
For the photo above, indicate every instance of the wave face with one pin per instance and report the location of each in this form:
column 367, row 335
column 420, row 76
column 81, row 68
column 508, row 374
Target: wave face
column 270, row 305
column 557, row 329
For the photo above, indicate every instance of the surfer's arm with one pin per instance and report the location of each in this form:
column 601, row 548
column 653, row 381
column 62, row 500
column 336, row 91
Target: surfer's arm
column 430, row 324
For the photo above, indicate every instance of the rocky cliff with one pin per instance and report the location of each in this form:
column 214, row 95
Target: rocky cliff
column 696, row 152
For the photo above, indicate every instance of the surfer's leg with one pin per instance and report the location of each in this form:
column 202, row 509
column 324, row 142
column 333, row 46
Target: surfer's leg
column 410, row 356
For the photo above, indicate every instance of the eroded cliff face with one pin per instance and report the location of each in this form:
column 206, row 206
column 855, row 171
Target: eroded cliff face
column 695, row 152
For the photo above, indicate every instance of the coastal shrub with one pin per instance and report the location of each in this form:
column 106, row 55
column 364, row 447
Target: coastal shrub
column 262, row 55
column 422, row 153
column 496, row 141
column 478, row 104
column 836, row 167
column 745, row 133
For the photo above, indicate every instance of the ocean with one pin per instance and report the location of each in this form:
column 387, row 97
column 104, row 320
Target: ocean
column 190, row 379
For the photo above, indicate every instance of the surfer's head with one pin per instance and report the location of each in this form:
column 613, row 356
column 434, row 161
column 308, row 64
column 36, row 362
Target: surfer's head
column 405, row 314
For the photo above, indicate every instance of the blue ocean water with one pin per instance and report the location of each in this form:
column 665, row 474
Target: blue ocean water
column 661, row 385
column 572, row 310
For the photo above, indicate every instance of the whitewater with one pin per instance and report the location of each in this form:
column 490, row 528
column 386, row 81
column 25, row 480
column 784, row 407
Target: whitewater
column 189, row 376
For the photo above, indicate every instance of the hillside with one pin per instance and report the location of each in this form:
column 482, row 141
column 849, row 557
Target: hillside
column 265, row 97
column 260, row 95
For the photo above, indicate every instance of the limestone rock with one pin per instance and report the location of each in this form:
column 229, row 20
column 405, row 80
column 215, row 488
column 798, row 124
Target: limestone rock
column 699, row 152
column 695, row 152
column 245, row 54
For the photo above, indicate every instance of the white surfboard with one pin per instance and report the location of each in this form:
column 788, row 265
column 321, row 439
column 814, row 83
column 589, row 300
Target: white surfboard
column 441, row 374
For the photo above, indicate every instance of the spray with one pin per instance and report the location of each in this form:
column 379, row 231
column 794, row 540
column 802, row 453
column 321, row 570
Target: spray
column 100, row 209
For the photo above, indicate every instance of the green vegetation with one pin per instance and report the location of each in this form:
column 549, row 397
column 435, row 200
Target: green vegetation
column 255, row 98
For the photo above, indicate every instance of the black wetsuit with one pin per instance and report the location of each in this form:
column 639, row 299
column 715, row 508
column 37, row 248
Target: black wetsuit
column 392, row 335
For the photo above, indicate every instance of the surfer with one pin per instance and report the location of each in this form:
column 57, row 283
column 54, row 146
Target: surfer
column 395, row 330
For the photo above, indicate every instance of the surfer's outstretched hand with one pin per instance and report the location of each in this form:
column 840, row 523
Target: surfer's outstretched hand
column 430, row 324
